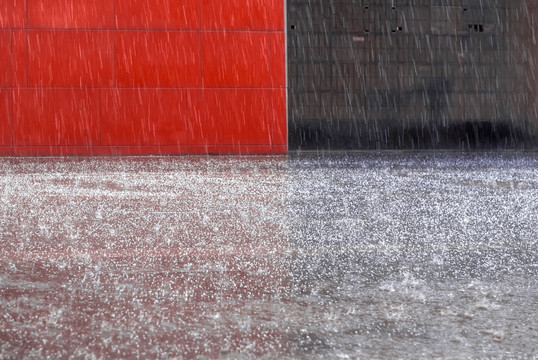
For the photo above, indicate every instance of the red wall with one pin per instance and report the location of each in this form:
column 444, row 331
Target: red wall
column 142, row 77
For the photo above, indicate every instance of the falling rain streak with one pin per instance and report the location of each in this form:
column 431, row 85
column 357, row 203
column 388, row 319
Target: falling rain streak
column 415, row 74
column 316, row 255
column 134, row 77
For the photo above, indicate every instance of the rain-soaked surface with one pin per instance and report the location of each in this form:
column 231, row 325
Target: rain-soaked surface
column 344, row 256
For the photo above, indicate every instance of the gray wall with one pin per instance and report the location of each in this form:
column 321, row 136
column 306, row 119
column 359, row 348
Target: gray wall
column 412, row 74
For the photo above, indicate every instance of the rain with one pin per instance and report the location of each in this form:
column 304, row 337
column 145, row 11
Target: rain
column 318, row 256
column 411, row 75
column 268, row 179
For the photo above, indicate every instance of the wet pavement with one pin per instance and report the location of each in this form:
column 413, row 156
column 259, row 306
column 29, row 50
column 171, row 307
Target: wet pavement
column 315, row 256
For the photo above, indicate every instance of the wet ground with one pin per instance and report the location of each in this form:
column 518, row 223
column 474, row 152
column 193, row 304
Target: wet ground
column 374, row 256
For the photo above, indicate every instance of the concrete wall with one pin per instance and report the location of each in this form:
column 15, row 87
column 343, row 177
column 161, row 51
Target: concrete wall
column 142, row 77
column 412, row 74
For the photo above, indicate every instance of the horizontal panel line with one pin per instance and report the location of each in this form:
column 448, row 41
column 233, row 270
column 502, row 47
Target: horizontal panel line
column 139, row 146
column 150, row 30
column 137, row 88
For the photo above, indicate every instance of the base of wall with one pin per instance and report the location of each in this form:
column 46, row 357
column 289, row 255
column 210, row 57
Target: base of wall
column 143, row 150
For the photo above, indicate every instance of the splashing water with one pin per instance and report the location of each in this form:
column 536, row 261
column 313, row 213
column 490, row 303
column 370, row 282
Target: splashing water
column 358, row 256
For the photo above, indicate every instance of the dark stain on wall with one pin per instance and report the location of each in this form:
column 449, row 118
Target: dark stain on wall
column 412, row 74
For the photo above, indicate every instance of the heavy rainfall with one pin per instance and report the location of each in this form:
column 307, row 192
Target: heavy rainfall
column 381, row 253
column 322, row 256
column 413, row 74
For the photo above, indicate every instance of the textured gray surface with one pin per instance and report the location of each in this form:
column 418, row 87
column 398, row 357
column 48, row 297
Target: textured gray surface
column 359, row 256
column 412, row 74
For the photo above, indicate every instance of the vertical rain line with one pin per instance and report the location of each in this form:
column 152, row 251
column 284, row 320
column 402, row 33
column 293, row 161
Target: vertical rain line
column 286, row 69
column 12, row 115
column 27, row 46
column 431, row 120
column 272, row 126
column 200, row 13
column 200, row 30
column 464, row 83
column 114, row 33
column 366, row 67
column 114, row 55
column 187, row 119
column 11, row 97
column 11, row 56
column 398, row 95
column 100, row 118
column 27, row 59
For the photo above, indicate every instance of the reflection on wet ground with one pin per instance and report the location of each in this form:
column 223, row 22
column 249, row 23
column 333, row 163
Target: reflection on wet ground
column 314, row 256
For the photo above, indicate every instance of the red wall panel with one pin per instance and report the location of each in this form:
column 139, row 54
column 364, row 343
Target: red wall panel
column 278, row 59
column 144, row 117
column 158, row 14
column 12, row 13
column 20, row 58
column 142, row 77
column 5, row 117
column 236, row 59
column 70, row 58
column 279, row 117
column 73, row 14
column 229, row 116
column 56, row 116
column 158, row 59
column 5, row 58
column 243, row 15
